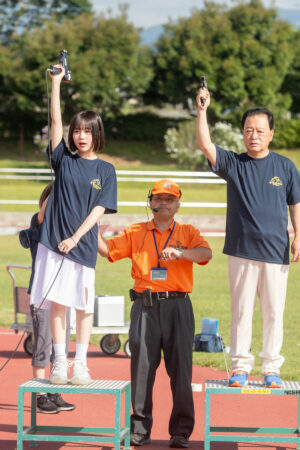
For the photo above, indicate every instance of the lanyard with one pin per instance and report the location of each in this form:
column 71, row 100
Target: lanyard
column 158, row 255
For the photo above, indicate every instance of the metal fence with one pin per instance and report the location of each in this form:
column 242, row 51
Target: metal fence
column 136, row 176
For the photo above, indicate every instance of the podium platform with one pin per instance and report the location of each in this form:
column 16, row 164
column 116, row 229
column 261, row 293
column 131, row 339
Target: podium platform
column 116, row 435
column 214, row 387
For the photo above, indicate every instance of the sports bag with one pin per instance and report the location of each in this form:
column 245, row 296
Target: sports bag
column 210, row 343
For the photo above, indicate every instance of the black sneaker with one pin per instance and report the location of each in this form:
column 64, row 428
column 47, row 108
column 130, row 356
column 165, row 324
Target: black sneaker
column 179, row 441
column 60, row 403
column 139, row 439
column 45, row 405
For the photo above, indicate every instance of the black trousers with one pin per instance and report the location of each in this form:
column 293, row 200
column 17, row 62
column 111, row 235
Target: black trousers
column 169, row 326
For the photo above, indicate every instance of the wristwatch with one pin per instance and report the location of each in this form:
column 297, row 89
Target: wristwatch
column 180, row 253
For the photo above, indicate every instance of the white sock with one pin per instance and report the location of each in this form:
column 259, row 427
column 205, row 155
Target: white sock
column 59, row 351
column 81, row 351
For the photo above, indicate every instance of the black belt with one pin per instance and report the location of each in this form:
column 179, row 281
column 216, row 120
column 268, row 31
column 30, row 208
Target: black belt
column 160, row 295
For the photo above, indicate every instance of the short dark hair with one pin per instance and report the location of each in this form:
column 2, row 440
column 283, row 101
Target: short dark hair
column 257, row 111
column 91, row 120
column 45, row 194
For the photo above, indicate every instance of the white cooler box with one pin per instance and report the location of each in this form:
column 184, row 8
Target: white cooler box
column 109, row 311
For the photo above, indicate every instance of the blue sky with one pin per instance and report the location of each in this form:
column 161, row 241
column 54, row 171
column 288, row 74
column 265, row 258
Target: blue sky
column 145, row 13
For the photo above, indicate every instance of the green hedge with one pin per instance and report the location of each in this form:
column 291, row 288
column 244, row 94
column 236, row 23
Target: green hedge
column 287, row 134
column 151, row 128
column 139, row 127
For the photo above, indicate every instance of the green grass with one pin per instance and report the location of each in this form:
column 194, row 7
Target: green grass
column 210, row 298
column 129, row 156
column 30, row 190
column 135, row 191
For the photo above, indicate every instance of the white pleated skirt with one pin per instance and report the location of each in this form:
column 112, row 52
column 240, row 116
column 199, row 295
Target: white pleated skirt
column 61, row 280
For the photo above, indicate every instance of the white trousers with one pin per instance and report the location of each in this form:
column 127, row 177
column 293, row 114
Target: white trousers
column 249, row 279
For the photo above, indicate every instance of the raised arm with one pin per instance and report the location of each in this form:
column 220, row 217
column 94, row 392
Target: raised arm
column 295, row 218
column 203, row 136
column 95, row 215
column 56, row 120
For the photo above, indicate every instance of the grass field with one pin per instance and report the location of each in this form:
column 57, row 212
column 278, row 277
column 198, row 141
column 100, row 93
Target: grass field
column 210, row 299
column 134, row 191
column 115, row 151
column 211, row 290
column 127, row 154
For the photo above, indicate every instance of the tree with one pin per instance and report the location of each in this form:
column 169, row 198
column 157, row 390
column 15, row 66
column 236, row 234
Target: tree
column 266, row 53
column 110, row 66
column 18, row 15
column 107, row 63
column 245, row 53
column 291, row 82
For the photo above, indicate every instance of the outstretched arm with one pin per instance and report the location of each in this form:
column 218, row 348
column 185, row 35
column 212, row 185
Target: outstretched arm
column 295, row 218
column 41, row 213
column 103, row 248
column 203, row 136
column 67, row 244
column 56, row 120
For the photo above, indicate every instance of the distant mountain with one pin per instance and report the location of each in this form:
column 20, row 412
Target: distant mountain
column 151, row 34
column 291, row 15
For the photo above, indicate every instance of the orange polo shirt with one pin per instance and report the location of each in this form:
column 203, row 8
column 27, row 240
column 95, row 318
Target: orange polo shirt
column 136, row 242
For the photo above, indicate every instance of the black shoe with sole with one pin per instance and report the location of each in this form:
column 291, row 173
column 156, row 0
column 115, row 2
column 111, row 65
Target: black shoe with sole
column 45, row 405
column 139, row 439
column 179, row 441
column 60, row 403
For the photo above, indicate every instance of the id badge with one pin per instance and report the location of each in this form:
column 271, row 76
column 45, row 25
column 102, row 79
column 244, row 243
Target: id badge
column 158, row 273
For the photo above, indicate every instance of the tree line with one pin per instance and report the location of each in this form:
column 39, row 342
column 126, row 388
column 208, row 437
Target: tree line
column 248, row 55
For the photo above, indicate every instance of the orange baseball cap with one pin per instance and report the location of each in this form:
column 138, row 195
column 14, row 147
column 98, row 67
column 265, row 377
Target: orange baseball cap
column 166, row 187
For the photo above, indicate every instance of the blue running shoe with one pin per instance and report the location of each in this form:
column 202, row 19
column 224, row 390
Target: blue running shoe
column 272, row 380
column 239, row 378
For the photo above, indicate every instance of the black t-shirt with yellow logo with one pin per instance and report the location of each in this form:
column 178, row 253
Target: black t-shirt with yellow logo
column 80, row 185
column 259, row 191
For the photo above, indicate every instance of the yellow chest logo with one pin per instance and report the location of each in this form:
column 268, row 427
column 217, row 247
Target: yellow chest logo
column 276, row 181
column 96, row 183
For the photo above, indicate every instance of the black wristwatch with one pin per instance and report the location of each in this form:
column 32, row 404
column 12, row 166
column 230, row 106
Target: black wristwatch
column 180, row 253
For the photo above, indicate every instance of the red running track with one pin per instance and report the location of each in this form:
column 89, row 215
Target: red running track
column 226, row 410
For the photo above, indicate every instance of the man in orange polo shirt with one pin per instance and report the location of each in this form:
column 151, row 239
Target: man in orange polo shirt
column 162, row 252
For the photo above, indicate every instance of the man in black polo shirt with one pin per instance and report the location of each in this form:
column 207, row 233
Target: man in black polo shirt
column 260, row 186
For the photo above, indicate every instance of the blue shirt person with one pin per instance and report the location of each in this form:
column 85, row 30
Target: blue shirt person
column 261, row 186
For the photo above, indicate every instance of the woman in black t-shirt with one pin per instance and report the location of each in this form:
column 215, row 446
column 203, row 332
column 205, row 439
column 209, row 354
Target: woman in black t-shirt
column 84, row 189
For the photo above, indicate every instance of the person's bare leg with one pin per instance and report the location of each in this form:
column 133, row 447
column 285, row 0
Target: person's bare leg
column 84, row 323
column 38, row 372
column 58, row 323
